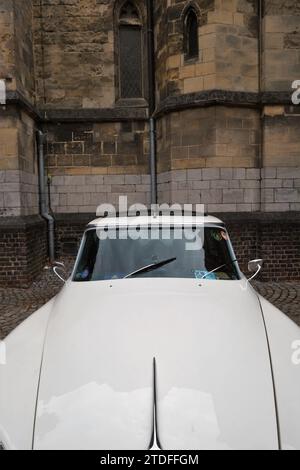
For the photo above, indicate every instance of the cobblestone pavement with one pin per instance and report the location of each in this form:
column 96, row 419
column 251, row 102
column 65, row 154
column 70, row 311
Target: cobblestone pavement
column 17, row 304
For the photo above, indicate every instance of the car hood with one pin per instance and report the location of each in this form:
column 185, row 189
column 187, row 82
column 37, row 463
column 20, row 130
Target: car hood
column 213, row 387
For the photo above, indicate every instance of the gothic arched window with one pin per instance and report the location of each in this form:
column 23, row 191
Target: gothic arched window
column 191, row 34
column 130, row 52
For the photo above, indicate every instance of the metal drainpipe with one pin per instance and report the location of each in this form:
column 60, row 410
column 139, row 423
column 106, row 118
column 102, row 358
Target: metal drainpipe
column 43, row 199
column 153, row 172
column 152, row 121
column 260, row 89
column 261, row 152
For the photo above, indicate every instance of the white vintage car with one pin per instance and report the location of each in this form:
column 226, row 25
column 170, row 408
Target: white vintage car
column 153, row 343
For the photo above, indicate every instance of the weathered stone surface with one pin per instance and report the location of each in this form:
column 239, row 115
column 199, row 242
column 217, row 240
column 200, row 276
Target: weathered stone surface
column 83, row 193
column 268, row 190
column 103, row 147
column 282, row 141
column 282, row 44
column 68, row 40
column 280, row 7
column 214, row 137
column 292, row 40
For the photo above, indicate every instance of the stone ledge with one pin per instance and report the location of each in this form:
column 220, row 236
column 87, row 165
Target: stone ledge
column 94, row 115
column 227, row 217
column 75, row 218
column 172, row 103
column 223, row 98
column 44, row 114
column 20, row 222
column 259, row 217
column 207, row 98
column 17, row 99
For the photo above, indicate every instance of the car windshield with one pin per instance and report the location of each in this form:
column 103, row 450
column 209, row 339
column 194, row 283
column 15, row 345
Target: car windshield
column 104, row 257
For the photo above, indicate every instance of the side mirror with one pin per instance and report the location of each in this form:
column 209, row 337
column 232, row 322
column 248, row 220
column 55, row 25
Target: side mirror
column 255, row 266
column 60, row 267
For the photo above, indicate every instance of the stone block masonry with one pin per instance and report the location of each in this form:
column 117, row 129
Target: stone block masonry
column 219, row 189
column 214, row 137
column 80, row 38
column 282, row 44
column 233, row 189
column 101, row 148
column 18, row 193
column 228, row 44
column 84, row 193
column 218, row 121
column 91, row 164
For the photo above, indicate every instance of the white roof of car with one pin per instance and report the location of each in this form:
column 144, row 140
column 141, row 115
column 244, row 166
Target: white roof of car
column 155, row 220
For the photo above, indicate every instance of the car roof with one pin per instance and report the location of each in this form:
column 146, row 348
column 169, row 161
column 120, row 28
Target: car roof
column 155, row 220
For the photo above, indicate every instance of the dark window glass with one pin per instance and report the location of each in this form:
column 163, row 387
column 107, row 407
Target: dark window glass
column 114, row 257
column 130, row 62
column 192, row 47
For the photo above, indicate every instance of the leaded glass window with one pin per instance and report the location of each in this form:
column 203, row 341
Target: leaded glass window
column 191, row 35
column 130, row 51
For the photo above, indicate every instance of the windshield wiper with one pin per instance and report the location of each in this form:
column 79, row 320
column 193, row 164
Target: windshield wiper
column 150, row 267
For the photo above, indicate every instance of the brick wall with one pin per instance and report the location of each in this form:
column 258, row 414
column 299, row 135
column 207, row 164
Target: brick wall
column 23, row 250
column 276, row 241
column 245, row 240
column 274, row 238
column 280, row 247
column 69, row 230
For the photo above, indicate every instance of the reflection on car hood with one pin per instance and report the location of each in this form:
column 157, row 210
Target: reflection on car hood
column 213, row 380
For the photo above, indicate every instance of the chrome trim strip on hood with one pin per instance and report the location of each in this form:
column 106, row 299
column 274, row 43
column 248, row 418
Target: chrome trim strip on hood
column 155, row 443
column 39, row 385
column 273, row 379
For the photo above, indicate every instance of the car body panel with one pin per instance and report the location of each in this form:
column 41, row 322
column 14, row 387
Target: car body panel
column 145, row 221
column 284, row 339
column 214, row 381
column 19, row 378
column 80, row 371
